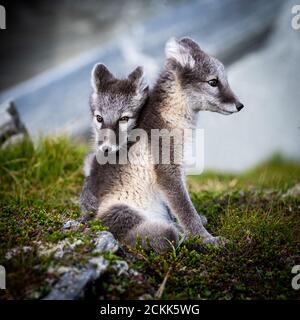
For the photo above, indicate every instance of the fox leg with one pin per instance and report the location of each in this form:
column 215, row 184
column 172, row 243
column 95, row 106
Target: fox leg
column 180, row 203
column 88, row 201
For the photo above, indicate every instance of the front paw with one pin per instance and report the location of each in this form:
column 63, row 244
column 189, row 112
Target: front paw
column 203, row 219
column 196, row 228
column 215, row 241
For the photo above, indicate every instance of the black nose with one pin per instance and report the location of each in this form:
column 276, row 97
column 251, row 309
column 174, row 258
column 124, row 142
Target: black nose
column 106, row 150
column 239, row 106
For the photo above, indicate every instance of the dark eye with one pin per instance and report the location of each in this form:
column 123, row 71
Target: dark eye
column 124, row 119
column 213, row 82
column 99, row 118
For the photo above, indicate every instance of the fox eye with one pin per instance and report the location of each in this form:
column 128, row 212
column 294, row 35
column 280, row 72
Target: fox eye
column 124, row 119
column 99, row 118
column 213, row 82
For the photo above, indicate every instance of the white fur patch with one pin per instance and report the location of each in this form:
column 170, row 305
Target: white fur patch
column 174, row 50
column 88, row 164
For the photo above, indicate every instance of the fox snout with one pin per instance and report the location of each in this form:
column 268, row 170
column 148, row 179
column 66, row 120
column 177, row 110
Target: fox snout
column 239, row 106
column 107, row 146
column 106, row 149
column 229, row 108
column 107, row 141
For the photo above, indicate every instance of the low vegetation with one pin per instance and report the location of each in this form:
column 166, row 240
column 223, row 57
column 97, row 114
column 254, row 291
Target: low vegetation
column 255, row 211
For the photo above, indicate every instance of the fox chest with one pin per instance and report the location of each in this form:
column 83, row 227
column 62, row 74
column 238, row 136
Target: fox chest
column 137, row 186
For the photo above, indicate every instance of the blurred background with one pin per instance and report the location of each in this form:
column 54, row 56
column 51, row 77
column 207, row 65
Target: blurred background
column 49, row 47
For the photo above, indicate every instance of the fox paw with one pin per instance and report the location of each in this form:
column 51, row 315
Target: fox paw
column 203, row 219
column 215, row 241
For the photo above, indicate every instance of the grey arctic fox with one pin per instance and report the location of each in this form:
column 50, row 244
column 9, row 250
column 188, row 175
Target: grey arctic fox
column 149, row 202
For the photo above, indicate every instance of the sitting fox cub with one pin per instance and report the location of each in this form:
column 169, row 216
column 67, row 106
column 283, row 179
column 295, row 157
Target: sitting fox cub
column 140, row 201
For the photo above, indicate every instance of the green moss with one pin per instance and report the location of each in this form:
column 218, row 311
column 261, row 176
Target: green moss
column 39, row 193
column 96, row 225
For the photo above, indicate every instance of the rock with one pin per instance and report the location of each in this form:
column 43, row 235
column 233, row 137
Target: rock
column 105, row 242
column 13, row 140
column 121, row 267
column 58, row 250
column 73, row 282
column 15, row 251
column 58, row 270
column 146, row 296
column 12, row 129
column 71, row 224
column 293, row 192
column 99, row 264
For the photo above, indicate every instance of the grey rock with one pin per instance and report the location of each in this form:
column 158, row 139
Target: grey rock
column 12, row 129
column 293, row 192
column 72, row 285
column 99, row 264
column 71, row 224
column 58, row 250
column 105, row 242
column 121, row 267
column 13, row 140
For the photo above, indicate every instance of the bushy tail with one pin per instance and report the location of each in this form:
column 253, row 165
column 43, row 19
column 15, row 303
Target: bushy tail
column 130, row 228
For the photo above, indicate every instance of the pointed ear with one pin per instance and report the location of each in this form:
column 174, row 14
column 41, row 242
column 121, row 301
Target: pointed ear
column 137, row 78
column 99, row 76
column 180, row 53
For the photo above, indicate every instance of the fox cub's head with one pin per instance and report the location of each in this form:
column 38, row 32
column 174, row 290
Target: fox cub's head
column 115, row 105
column 202, row 77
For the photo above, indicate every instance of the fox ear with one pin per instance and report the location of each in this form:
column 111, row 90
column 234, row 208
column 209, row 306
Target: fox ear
column 180, row 53
column 100, row 75
column 137, row 78
column 136, row 74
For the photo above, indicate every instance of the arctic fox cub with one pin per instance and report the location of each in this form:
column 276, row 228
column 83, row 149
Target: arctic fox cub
column 141, row 201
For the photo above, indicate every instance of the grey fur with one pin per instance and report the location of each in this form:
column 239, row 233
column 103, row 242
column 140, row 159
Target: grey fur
column 89, row 202
column 115, row 217
column 153, row 235
column 135, row 201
